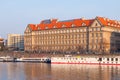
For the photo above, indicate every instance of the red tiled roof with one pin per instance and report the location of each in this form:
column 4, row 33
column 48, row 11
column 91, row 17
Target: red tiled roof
column 50, row 24
column 1, row 39
column 33, row 27
column 108, row 22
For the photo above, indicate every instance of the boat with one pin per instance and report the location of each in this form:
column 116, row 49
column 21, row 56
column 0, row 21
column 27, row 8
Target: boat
column 87, row 59
column 6, row 59
column 42, row 59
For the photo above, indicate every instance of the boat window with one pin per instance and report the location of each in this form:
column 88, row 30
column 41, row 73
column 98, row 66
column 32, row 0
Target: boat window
column 100, row 59
column 81, row 58
column 111, row 59
column 107, row 59
column 116, row 59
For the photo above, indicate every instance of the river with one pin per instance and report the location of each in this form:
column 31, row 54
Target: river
column 43, row 71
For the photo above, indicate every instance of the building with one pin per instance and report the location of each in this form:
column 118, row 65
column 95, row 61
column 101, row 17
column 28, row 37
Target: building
column 1, row 44
column 77, row 35
column 15, row 42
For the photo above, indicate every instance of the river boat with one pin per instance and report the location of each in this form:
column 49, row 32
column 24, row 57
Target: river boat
column 6, row 59
column 35, row 59
column 87, row 59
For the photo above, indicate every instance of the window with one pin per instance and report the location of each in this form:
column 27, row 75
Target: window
column 96, row 46
column 100, row 34
column 92, row 34
column 92, row 29
column 54, row 26
column 116, row 59
column 79, row 41
column 100, row 59
column 111, row 59
column 96, row 24
column 72, row 25
column 98, row 29
column 63, row 26
column 96, row 34
column 107, row 59
column 96, row 40
column 83, row 24
column 83, row 41
column 92, row 40
column 46, row 27
column 82, row 35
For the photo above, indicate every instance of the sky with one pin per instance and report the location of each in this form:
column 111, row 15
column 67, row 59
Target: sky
column 15, row 15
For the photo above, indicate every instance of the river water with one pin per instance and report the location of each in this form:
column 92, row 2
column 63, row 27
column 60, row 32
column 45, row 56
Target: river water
column 43, row 71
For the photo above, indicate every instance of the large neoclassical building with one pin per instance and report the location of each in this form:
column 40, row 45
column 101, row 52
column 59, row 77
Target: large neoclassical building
column 76, row 35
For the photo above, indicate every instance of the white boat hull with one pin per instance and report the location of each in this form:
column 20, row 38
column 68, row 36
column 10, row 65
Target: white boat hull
column 86, row 60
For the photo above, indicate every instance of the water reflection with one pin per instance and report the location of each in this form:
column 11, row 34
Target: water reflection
column 41, row 71
column 86, row 72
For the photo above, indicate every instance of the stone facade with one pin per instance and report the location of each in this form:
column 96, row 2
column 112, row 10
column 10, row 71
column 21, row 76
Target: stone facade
column 78, row 35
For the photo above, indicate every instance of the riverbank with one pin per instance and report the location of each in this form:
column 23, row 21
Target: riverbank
column 17, row 54
column 28, row 55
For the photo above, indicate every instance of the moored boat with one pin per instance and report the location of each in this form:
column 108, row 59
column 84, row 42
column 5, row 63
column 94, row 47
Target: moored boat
column 42, row 59
column 6, row 59
column 87, row 59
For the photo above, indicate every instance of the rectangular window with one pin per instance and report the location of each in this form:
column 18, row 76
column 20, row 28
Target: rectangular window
column 100, row 34
column 82, row 35
column 79, row 41
column 116, row 59
column 111, row 59
column 96, row 34
column 92, row 40
column 92, row 34
column 83, row 41
column 107, row 59
column 96, row 46
column 96, row 41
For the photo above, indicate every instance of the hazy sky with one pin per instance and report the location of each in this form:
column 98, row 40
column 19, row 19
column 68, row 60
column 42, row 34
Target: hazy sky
column 15, row 15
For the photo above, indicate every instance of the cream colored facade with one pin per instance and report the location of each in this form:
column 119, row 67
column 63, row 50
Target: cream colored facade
column 95, row 37
column 15, row 41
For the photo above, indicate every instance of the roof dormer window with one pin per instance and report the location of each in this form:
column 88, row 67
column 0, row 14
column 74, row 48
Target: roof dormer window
column 83, row 24
column 38, row 28
column 111, row 24
column 46, row 27
column 54, row 26
column 73, row 25
column 63, row 26
column 108, row 24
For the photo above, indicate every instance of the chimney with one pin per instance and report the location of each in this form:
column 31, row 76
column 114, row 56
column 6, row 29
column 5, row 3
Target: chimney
column 82, row 18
